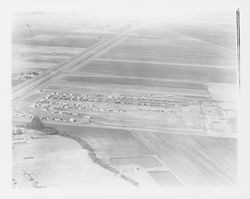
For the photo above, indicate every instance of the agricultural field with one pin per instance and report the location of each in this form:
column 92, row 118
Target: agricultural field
column 38, row 46
column 157, row 103
column 175, row 50
column 81, row 80
column 39, row 58
column 166, row 71
column 122, row 150
column 108, row 142
column 123, row 84
column 219, row 34
column 196, row 160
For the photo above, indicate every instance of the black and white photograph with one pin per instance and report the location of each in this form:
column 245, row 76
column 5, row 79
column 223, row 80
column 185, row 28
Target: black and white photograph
column 125, row 98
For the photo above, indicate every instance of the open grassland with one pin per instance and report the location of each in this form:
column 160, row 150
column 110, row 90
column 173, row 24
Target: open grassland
column 162, row 71
column 196, row 160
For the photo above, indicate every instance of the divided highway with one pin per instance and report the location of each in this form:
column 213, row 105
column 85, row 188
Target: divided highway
column 19, row 91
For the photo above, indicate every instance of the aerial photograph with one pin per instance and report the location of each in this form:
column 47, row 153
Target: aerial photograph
column 130, row 103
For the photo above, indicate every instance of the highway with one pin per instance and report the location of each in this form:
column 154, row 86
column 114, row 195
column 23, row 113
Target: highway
column 20, row 91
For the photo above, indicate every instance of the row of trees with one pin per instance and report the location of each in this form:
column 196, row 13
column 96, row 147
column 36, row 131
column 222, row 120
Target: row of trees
column 92, row 154
column 37, row 124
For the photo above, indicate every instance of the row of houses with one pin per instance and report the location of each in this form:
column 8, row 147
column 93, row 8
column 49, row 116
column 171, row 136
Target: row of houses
column 119, row 99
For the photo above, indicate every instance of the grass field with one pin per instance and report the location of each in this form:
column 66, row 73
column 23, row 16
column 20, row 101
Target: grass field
column 164, row 71
column 197, row 160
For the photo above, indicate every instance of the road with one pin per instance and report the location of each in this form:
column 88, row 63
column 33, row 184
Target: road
column 28, row 86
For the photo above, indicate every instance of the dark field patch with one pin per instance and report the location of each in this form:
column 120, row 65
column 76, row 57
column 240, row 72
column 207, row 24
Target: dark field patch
column 132, row 81
column 129, row 69
column 145, row 162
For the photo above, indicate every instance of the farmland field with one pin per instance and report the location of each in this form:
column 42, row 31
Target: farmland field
column 174, row 43
column 156, row 101
column 172, row 56
column 39, row 44
column 164, row 71
column 108, row 142
column 63, row 41
column 197, row 160
column 132, row 81
column 223, row 35
column 143, row 161
column 175, row 48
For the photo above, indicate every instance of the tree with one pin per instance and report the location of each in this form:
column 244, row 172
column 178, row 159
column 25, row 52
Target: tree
column 36, row 123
